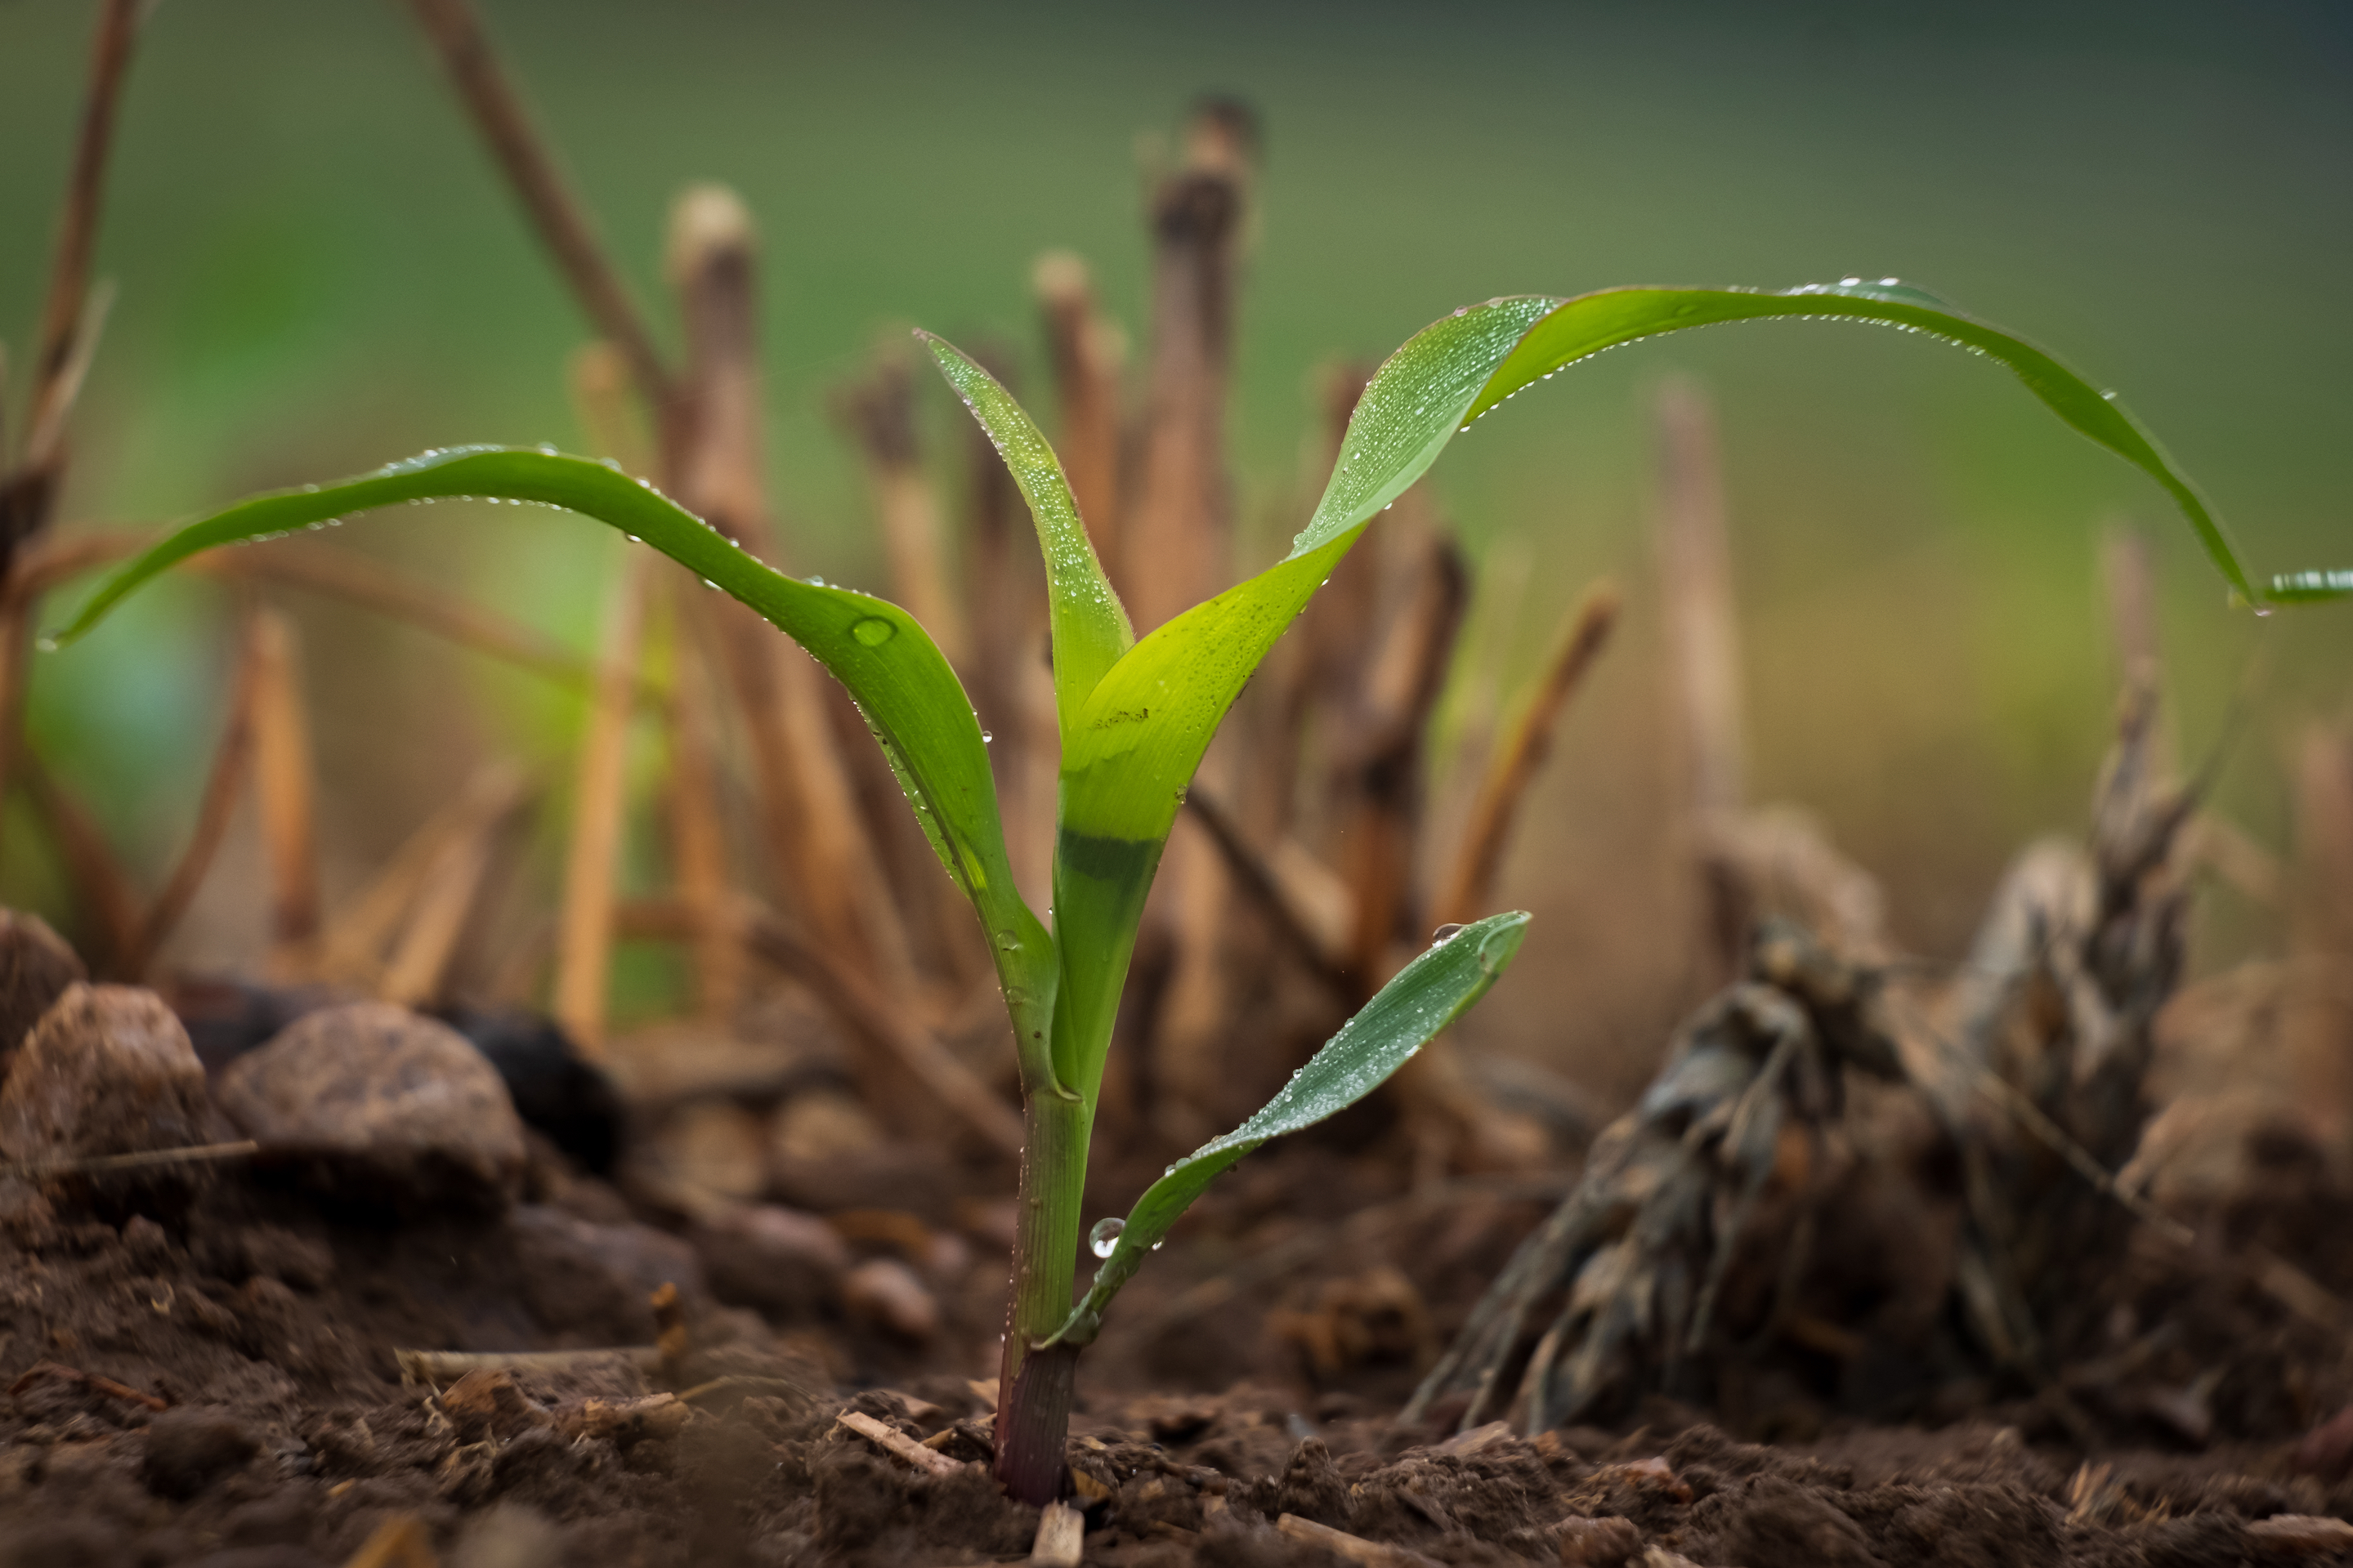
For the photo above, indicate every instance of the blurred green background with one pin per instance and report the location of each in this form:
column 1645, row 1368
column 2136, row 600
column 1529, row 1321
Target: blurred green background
column 319, row 272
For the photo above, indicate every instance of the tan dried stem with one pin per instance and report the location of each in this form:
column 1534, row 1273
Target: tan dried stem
column 1470, row 886
column 1087, row 352
column 232, row 757
column 880, row 414
column 352, row 950
column 821, row 851
column 109, row 903
column 698, row 840
column 878, row 1020
column 285, row 791
column 456, row 33
column 584, row 945
column 69, row 326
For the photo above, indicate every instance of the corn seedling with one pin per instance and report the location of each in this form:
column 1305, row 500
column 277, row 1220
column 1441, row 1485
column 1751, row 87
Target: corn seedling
column 1134, row 717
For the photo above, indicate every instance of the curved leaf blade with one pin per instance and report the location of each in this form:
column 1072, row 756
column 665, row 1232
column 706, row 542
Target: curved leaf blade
column 1090, row 624
column 1439, row 986
column 2311, row 588
column 909, row 696
column 1589, row 323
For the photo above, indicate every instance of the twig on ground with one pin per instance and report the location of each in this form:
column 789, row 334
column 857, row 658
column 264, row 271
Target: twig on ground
column 433, row 1367
column 91, row 1380
column 1346, row 1547
column 144, row 1159
column 1062, row 1537
column 1514, row 766
column 898, row 1445
column 400, row 1542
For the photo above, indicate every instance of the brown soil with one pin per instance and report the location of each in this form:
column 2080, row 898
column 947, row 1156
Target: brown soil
column 203, row 1373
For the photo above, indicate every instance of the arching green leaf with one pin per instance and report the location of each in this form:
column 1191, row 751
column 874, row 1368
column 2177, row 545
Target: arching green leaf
column 911, row 698
column 1427, row 995
column 1089, row 623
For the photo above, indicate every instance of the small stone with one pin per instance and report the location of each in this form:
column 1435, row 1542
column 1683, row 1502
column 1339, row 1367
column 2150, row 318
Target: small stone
column 594, row 1279
column 36, row 967
column 187, row 1449
column 887, row 1294
column 780, row 1260
column 107, row 1070
column 380, row 1101
column 486, row 1403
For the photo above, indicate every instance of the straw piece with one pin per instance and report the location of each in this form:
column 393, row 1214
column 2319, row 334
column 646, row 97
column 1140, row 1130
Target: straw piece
column 1514, row 766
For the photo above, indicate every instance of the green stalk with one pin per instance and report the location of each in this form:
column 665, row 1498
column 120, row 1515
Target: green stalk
column 1034, row 1385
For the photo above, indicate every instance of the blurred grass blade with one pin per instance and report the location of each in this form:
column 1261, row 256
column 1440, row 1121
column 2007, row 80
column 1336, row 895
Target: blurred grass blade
column 909, row 696
column 1091, row 625
column 1428, row 993
column 2311, row 588
column 1587, row 324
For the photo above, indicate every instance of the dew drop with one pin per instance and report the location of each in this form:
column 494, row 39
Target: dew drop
column 873, row 631
column 1105, row 1236
column 986, row 737
column 1444, row 932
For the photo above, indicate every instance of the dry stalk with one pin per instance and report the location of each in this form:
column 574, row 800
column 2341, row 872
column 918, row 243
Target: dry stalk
column 699, row 851
column 231, row 759
column 109, row 903
column 563, row 226
column 880, row 414
column 585, row 927
column 1086, row 352
column 1471, row 886
column 284, row 791
column 1702, row 654
column 69, row 327
column 352, row 948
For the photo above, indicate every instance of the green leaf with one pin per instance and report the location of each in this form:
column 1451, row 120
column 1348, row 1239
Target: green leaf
column 2311, row 588
column 1589, row 323
column 909, row 696
column 1438, row 987
column 1090, row 624
column 1147, row 723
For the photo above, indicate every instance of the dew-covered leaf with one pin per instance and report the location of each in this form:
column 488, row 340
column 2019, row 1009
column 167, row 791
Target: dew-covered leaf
column 909, row 696
column 1431, row 992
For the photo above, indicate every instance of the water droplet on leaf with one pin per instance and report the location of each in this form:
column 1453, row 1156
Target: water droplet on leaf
column 1105, row 1236
column 874, row 631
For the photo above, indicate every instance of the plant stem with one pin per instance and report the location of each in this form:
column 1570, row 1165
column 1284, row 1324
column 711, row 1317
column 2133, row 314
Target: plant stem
column 1033, row 1390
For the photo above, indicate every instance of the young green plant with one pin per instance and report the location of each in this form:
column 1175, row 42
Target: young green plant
column 1135, row 718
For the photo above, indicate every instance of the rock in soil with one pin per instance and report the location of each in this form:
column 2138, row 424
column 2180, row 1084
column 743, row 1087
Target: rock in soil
column 36, row 967
column 187, row 1450
column 786, row 1263
column 374, row 1101
column 107, row 1070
